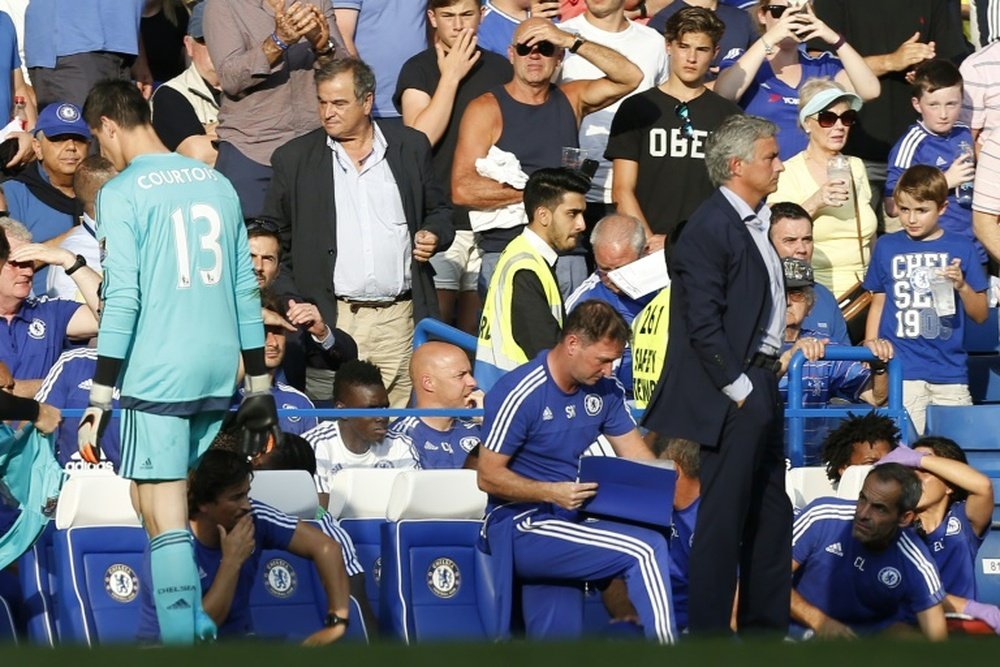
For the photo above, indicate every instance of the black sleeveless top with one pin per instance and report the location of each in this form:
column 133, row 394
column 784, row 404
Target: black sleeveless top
column 536, row 134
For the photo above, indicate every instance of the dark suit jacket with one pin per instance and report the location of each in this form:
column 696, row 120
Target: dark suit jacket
column 300, row 198
column 720, row 302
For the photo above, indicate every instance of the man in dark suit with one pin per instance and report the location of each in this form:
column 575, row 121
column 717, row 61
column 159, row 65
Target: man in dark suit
column 359, row 214
column 719, row 387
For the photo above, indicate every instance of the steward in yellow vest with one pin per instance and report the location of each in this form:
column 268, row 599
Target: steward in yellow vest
column 523, row 309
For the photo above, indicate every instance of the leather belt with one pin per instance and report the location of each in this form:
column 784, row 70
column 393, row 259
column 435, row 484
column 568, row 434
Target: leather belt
column 357, row 305
column 768, row 361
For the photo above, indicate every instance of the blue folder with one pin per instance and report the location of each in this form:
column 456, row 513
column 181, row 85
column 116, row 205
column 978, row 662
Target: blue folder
column 633, row 491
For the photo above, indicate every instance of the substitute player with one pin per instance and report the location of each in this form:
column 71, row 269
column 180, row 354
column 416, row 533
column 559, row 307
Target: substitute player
column 540, row 418
column 181, row 303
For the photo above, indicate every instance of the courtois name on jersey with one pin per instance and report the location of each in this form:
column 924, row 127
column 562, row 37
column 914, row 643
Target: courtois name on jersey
column 181, row 299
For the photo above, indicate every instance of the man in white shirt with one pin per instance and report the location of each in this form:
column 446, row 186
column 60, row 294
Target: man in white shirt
column 356, row 442
column 92, row 173
column 604, row 23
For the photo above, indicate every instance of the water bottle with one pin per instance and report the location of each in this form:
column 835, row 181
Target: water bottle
column 20, row 111
column 963, row 193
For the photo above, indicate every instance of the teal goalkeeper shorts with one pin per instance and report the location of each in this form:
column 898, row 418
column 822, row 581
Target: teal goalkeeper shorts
column 164, row 447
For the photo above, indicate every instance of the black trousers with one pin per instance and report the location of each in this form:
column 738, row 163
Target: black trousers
column 744, row 525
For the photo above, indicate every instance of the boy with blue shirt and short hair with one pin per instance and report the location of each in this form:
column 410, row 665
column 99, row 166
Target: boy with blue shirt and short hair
column 937, row 139
column 177, row 269
column 923, row 267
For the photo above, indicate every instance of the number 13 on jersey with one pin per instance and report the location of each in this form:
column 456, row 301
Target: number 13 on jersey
column 204, row 221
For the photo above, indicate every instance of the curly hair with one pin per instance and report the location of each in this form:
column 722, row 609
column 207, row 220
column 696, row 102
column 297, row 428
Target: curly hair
column 839, row 443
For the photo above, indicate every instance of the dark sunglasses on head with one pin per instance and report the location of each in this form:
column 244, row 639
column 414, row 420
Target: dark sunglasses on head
column 776, row 11
column 265, row 225
column 829, row 118
column 545, row 48
column 684, row 113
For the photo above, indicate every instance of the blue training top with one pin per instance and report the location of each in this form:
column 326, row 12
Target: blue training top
column 545, row 430
column 272, row 530
column 863, row 589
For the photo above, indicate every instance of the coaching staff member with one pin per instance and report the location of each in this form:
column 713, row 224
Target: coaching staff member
column 719, row 388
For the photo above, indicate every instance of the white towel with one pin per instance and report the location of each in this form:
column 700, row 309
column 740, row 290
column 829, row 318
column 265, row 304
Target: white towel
column 503, row 167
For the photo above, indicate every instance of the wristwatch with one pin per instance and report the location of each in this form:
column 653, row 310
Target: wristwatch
column 331, row 46
column 577, row 44
column 332, row 620
column 80, row 262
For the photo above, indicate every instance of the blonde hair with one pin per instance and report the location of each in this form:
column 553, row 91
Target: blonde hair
column 15, row 230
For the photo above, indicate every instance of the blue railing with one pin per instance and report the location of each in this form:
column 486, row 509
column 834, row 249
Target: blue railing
column 431, row 329
column 796, row 413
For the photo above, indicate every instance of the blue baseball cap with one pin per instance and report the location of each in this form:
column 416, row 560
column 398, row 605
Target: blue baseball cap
column 196, row 28
column 62, row 118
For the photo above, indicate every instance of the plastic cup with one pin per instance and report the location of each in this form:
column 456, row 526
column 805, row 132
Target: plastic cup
column 839, row 168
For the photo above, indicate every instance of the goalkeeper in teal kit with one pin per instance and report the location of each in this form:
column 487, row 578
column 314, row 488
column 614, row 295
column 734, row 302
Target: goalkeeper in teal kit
column 181, row 304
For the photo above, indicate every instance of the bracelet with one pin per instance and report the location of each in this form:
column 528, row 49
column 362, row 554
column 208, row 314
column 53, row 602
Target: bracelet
column 768, row 49
column 330, row 48
column 80, row 262
column 277, row 41
column 841, row 40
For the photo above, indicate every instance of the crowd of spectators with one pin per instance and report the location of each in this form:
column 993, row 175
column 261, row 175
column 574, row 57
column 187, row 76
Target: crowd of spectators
column 492, row 164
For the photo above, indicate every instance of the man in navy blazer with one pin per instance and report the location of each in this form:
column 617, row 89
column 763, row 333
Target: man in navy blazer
column 719, row 387
column 359, row 214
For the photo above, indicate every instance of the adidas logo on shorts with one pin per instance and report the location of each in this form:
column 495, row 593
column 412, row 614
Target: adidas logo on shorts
column 146, row 465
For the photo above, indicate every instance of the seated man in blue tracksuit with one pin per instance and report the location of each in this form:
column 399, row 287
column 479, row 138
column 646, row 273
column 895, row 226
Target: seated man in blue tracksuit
column 231, row 533
column 540, row 417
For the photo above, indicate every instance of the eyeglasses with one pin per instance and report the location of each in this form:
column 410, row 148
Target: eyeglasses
column 684, row 113
column 545, row 49
column 776, row 11
column 829, row 118
column 797, row 295
column 266, row 225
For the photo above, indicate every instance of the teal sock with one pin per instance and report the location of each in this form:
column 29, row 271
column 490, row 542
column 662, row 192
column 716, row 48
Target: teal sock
column 176, row 587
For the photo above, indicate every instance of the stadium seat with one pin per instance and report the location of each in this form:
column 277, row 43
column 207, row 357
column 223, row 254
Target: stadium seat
column 359, row 498
column 436, row 585
column 988, row 569
column 984, row 378
column 36, row 572
column 291, row 491
column 974, row 428
column 982, row 338
column 8, row 628
column 806, row 484
column 996, row 502
column 851, row 482
column 288, row 601
column 97, row 549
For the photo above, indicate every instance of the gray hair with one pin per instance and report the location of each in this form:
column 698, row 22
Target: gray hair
column 15, row 230
column 734, row 138
column 619, row 228
column 364, row 77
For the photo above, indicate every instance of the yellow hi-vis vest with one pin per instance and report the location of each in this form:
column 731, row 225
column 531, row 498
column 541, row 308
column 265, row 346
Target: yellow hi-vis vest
column 496, row 346
column 649, row 346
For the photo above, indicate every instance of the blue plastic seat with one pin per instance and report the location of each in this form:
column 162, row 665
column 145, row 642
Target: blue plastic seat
column 97, row 583
column 36, row 572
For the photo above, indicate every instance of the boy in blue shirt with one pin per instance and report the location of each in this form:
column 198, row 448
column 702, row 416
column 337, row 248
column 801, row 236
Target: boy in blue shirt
column 936, row 139
column 925, row 330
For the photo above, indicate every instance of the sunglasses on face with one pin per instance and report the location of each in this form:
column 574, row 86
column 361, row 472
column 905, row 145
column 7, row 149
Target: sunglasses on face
column 684, row 113
column 830, row 118
column 776, row 11
column 545, row 48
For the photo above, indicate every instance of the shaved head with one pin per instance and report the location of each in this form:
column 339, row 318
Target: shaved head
column 442, row 375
